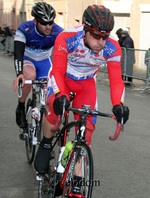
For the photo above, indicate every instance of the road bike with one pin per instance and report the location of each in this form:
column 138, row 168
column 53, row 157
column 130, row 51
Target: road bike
column 35, row 110
column 56, row 183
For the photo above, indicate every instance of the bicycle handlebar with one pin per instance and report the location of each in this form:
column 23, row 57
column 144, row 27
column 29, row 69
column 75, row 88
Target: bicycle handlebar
column 35, row 82
column 87, row 111
column 28, row 82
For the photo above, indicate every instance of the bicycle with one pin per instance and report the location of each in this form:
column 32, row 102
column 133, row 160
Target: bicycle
column 35, row 110
column 54, row 183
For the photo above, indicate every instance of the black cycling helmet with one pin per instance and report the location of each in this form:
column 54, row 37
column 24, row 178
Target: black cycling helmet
column 43, row 12
column 99, row 19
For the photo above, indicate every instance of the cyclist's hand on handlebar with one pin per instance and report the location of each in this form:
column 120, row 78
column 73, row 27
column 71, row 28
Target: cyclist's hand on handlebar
column 16, row 82
column 121, row 111
column 58, row 104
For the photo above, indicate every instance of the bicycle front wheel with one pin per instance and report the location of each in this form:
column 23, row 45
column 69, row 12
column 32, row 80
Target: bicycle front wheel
column 80, row 164
column 30, row 148
column 48, row 184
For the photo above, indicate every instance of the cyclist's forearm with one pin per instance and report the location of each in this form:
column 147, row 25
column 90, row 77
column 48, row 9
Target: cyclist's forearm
column 19, row 48
column 117, row 90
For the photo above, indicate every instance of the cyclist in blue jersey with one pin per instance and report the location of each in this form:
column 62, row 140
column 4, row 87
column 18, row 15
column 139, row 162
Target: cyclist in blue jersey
column 33, row 44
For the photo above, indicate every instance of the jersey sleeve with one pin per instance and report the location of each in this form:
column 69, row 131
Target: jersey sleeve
column 117, row 88
column 60, row 59
column 19, row 48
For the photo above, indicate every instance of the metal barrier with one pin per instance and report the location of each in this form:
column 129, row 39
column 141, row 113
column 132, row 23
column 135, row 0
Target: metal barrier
column 147, row 63
column 135, row 65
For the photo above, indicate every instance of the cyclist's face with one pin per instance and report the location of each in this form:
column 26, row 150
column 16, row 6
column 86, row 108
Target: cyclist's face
column 44, row 29
column 96, row 45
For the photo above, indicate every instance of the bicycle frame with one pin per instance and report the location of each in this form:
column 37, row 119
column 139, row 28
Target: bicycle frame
column 80, row 137
column 78, row 142
column 38, row 88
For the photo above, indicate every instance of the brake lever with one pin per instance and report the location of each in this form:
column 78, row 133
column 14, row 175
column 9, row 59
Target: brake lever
column 122, row 125
column 20, row 88
column 63, row 112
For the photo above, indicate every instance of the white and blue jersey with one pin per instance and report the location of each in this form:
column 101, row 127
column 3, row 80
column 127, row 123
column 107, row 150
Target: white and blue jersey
column 38, row 47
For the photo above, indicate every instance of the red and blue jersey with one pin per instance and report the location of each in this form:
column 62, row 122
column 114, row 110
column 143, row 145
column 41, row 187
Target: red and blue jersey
column 72, row 58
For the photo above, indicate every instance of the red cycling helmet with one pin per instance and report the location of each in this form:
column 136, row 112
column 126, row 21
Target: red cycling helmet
column 98, row 19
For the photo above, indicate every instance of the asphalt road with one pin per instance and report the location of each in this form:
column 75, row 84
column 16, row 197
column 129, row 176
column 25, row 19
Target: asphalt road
column 122, row 167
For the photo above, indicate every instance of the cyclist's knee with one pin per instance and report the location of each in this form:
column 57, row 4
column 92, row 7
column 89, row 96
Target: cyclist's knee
column 54, row 128
column 54, row 121
column 90, row 127
column 29, row 73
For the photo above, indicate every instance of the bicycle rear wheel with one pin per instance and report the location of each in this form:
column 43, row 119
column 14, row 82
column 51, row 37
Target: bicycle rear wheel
column 30, row 148
column 80, row 155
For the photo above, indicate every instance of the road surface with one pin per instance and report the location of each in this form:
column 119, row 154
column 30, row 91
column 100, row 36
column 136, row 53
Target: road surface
column 122, row 167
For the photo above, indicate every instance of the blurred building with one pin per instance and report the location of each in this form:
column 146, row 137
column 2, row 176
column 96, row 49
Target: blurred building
column 133, row 15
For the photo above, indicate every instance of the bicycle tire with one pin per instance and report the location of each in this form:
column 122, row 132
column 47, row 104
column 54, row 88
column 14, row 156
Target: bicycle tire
column 80, row 151
column 30, row 148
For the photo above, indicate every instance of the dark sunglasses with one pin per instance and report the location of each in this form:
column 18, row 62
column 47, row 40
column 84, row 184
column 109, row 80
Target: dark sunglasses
column 99, row 36
column 46, row 23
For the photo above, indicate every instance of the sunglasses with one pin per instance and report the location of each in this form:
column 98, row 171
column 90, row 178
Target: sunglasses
column 46, row 23
column 99, row 36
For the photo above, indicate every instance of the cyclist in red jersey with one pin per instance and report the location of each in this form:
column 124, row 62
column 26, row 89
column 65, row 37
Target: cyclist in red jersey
column 78, row 53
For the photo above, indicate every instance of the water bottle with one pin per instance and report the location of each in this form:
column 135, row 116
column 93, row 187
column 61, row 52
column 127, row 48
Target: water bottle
column 60, row 168
column 66, row 153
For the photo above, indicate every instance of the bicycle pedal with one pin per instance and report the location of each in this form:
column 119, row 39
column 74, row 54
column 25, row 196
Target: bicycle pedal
column 22, row 136
column 34, row 141
column 23, row 133
column 39, row 177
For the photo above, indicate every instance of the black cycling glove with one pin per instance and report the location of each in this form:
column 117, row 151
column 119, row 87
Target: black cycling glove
column 58, row 104
column 121, row 111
